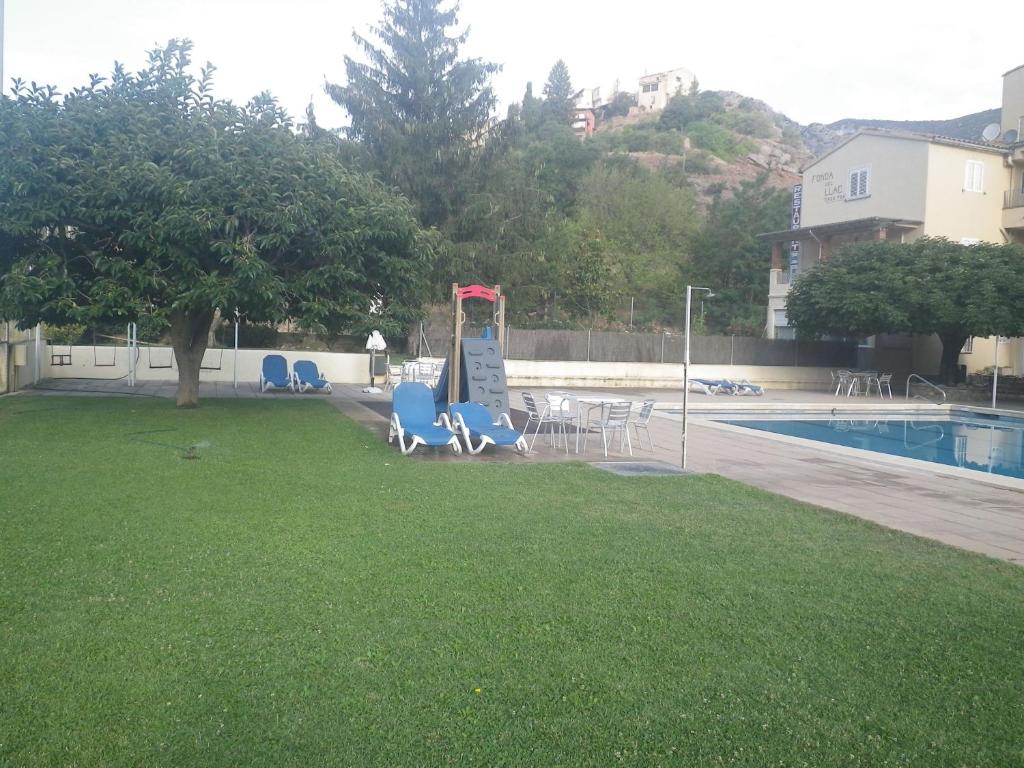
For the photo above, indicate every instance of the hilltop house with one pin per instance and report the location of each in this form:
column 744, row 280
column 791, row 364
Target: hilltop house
column 893, row 185
column 657, row 89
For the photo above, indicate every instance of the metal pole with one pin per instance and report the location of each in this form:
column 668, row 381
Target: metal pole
column 588, row 345
column 128, row 334
column 663, row 335
column 39, row 354
column 995, row 373
column 630, row 313
column 686, row 373
column 236, row 348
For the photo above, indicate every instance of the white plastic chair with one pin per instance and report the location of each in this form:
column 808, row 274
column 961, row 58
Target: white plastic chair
column 395, row 376
column 642, row 421
column 885, row 380
column 617, row 420
column 542, row 416
column 845, row 382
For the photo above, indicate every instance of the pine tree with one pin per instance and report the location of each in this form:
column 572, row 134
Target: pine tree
column 531, row 112
column 418, row 109
column 558, row 94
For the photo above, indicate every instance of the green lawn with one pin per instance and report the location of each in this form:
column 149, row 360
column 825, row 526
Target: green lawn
column 301, row 595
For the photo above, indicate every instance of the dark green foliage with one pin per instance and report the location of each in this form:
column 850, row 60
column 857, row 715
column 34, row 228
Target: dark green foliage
column 530, row 113
column 930, row 286
column 418, row 109
column 559, row 94
column 619, row 105
column 315, row 599
column 153, row 328
column 649, row 226
column 749, row 123
column 645, row 137
column 65, row 334
column 257, row 336
column 684, row 109
column 717, row 140
column 730, row 258
column 145, row 195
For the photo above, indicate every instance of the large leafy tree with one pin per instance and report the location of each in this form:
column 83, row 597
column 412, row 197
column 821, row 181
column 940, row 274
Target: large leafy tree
column 930, row 286
column 730, row 258
column 649, row 226
column 420, row 110
column 144, row 195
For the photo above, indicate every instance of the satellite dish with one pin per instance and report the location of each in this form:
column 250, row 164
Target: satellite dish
column 991, row 132
column 1010, row 137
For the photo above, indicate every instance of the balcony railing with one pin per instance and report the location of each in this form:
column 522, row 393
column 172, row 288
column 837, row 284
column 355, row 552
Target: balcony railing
column 1013, row 198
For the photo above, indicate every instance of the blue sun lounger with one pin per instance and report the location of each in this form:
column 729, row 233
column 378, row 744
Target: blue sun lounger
column 474, row 421
column 412, row 419
column 274, row 374
column 712, row 386
column 307, row 377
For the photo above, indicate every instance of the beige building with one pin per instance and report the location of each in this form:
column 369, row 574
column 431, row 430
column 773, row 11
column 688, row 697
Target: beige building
column 657, row 89
column 890, row 185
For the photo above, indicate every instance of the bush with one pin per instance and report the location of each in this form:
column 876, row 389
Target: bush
column 252, row 336
column 718, row 140
column 619, row 105
column 153, row 328
column 640, row 138
column 65, row 335
column 756, row 124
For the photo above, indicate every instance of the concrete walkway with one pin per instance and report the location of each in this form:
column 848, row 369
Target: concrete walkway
column 964, row 511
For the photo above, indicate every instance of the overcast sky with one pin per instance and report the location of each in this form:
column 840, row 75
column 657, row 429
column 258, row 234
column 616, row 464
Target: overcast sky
column 898, row 59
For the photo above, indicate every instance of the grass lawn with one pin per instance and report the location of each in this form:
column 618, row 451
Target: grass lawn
column 301, row 595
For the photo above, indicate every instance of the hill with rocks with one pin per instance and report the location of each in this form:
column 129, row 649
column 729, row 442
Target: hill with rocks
column 718, row 139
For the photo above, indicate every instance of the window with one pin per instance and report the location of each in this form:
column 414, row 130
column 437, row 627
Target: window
column 649, row 87
column 974, row 176
column 781, row 321
column 859, row 186
column 968, row 347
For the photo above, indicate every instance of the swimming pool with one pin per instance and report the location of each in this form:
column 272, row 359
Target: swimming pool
column 992, row 444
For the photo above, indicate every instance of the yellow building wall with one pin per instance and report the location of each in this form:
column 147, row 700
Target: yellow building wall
column 953, row 212
column 897, row 180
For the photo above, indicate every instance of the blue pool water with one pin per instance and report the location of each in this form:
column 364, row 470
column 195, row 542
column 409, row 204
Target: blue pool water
column 993, row 444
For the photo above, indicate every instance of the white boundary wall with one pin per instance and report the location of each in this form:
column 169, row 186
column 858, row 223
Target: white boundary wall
column 89, row 362
column 353, row 368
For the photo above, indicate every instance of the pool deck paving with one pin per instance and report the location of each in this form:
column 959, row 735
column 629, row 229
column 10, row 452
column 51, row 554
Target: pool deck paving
column 974, row 513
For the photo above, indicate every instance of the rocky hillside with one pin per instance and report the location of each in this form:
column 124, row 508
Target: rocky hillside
column 722, row 138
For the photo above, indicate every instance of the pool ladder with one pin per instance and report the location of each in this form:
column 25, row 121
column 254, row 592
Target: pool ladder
column 924, row 381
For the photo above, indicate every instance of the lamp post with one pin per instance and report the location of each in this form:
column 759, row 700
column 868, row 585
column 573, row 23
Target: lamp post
column 686, row 363
column 375, row 343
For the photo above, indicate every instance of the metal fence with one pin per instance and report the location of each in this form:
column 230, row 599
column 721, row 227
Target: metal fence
column 619, row 347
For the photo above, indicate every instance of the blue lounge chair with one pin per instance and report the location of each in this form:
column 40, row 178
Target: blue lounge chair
column 745, row 387
column 713, row 386
column 307, row 377
column 474, row 421
column 275, row 374
column 413, row 419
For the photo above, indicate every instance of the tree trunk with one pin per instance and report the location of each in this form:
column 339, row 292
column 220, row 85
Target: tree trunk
column 189, row 336
column 949, row 370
